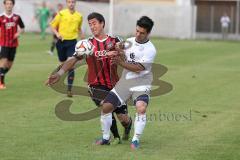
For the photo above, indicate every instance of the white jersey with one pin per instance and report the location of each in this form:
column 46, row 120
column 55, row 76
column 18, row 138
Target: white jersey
column 225, row 20
column 132, row 84
column 139, row 53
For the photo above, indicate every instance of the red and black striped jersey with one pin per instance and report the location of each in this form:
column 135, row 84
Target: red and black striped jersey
column 8, row 28
column 100, row 69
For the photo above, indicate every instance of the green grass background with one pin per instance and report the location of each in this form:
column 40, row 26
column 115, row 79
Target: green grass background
column 205, row 76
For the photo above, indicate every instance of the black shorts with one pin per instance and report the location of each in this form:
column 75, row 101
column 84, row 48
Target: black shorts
column 99, row 92
column 8, row 52
column 65, row 49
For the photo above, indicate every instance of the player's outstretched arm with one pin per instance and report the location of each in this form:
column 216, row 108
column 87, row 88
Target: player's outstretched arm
column 69, row 64
column 54, row 78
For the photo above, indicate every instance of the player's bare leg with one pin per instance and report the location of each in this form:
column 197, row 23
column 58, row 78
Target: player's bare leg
column 9, row 64
column 3, row 62
column 5, row 66
column 139, row 123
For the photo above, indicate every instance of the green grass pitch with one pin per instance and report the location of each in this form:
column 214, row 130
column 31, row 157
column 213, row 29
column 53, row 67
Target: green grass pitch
column 202, row 112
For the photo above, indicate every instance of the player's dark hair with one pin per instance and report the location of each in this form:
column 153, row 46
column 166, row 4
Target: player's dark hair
column 145, row 22
column 13, row 1
column 98, row 16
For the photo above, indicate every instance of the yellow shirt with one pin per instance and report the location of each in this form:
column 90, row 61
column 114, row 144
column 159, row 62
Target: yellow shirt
column 67, row 24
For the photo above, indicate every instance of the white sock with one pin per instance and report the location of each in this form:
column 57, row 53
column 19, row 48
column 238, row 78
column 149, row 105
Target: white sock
column 106, row 123
column 139, row 125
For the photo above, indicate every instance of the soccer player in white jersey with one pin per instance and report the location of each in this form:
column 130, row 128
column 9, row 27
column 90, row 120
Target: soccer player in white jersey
column 135, row 81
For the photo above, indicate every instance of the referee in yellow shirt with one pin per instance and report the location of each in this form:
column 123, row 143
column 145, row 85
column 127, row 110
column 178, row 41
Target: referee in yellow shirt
column 67, row 26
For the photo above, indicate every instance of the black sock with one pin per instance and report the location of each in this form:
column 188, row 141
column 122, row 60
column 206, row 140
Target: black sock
column 1, row 70
column 70, row 79
column 114, row 128
column 127, row 126
column 2, row 79
column 2, row 75
column 5, row 70
column 52, row 46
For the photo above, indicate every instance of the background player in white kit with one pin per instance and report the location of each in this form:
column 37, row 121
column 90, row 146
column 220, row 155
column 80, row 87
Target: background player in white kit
column 225, row 22
column 135, row 81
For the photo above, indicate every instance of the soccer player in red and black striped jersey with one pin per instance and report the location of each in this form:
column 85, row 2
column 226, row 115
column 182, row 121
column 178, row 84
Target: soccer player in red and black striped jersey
column 101, row 71
column 11, row 26
column 102, row 74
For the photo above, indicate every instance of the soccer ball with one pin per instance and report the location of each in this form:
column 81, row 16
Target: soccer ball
column 84, row 47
